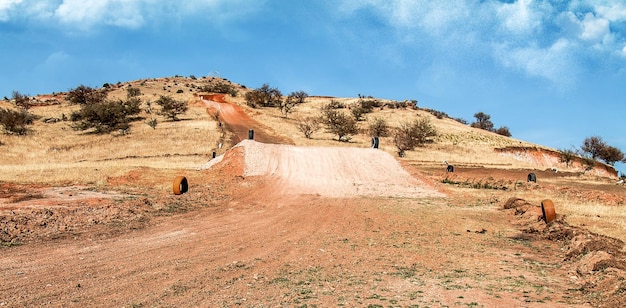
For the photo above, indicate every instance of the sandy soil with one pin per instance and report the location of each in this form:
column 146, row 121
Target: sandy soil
column 272, row 225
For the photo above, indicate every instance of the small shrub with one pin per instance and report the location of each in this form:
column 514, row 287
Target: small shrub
column 378, row 127
column 16, row 122
column 171, row 108
column 410, row 135
column 335, row 105
column 152, row 123
column 107, row 116
column 504, row 131
column 567, row 156
column 220, row 87
column 21, row 100
column 438, row 114
column 179, row 91
column 132, row 92
column 358, row 112
column 83, row 95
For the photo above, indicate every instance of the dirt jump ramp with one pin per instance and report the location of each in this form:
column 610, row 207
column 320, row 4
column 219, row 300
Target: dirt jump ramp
column 335, row 172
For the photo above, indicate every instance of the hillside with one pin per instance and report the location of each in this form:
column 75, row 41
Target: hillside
column 285, row 220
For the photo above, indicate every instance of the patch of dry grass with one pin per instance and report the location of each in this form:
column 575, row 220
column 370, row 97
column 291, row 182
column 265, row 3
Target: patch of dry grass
column 56, row 153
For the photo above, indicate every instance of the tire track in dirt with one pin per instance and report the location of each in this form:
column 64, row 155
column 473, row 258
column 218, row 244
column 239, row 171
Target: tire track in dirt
column 239, row 123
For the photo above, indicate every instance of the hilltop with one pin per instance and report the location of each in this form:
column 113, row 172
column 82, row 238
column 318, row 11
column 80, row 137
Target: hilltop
column 290, row 220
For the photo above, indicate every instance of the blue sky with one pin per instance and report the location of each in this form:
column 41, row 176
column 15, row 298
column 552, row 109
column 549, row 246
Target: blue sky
column 554, row 72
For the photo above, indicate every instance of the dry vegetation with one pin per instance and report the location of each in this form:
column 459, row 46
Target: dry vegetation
column 55, row 155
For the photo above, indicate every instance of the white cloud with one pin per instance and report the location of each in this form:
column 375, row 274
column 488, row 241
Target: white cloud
column 594, row 29
column 85, row 14
column 131, row 14
column 519, row 17
column 555, row 63
column 5, row 7
column 614, row 12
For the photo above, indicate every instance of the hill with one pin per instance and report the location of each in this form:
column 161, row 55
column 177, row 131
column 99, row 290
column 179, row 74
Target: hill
column 287, row 220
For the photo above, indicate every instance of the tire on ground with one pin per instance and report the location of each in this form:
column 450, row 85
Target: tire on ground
column 547, row 208
column 180, row 185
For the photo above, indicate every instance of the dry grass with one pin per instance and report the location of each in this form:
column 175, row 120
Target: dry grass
column 55, row 153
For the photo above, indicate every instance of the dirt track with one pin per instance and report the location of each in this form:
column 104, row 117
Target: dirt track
column 276, row 232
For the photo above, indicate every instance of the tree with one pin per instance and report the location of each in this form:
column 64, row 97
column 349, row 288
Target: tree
column 287, row 105
column 292, row 101
column 308, row 126
column 299, row 96
column 593, row 146
column 106, row 116
column 611, row 154
column 504, row 131
column 483, row 121
column 82, row 95
column 264, row 97
column 171, row 108
column 339, row 123
column 21, row 100
column 410, row 135
column 378, row 127
column 15, row 122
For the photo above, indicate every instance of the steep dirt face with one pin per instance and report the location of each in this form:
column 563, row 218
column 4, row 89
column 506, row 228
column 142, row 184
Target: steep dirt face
column 552, row 159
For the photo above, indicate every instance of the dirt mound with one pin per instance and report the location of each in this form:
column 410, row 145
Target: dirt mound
column 596, row 263
column 324, row 171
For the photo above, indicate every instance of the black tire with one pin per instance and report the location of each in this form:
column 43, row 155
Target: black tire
column 532, row 177
column 375, row 142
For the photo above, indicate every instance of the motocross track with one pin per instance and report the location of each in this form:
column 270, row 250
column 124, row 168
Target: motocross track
column 274, row 225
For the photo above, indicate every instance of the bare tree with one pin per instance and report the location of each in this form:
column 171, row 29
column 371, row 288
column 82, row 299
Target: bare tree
column 593, row 146
column 308, row 126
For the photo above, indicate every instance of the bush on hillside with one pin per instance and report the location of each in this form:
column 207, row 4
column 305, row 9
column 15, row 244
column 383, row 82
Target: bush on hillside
column 410, row 135
column 339, row 123
column 107, row 116
column 21, row 100
column 16, row 122
column 504, row 131
column 378, row 127
column 83, row 95
column 171, row 108
column 264, row 97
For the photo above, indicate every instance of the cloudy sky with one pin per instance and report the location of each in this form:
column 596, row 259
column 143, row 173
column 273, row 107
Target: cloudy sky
column 554, row 72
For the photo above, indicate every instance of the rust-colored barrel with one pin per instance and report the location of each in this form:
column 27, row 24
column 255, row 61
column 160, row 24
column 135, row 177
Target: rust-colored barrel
column 180, row 185
column 547, row 208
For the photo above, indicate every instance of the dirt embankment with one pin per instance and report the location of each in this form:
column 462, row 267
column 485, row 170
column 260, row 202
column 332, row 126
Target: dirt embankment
column 550, row 159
